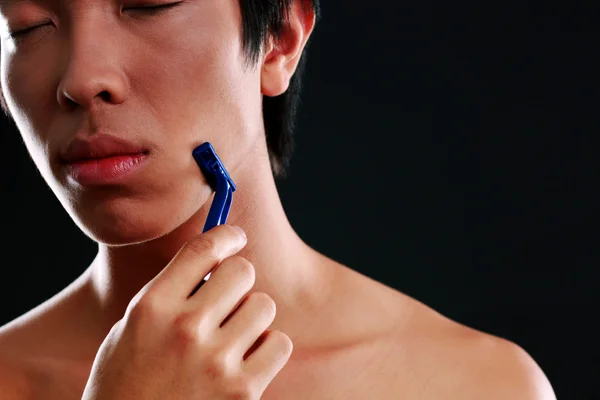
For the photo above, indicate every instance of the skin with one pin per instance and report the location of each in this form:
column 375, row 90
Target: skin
column 171, row 82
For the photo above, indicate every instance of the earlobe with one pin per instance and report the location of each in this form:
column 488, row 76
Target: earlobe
column 272, row 81
column 274, row 76
column 281, row 58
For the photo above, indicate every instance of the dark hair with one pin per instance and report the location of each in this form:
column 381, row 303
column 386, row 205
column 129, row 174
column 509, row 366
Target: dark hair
column 261, row 19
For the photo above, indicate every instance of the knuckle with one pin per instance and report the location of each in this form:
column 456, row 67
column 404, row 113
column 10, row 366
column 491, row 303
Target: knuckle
column 117, row 327
column 186, row 331
column 146, row 307
column 263, row 302
column 215, row 371
column 218, row 365
column 243, row 388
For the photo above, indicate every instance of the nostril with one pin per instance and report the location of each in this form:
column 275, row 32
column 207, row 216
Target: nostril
column 105, row 95
column 66, row 100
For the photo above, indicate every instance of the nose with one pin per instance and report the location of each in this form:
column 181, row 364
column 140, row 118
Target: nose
column 93, row 72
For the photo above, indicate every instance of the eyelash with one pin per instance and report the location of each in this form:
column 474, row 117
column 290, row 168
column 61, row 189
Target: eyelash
column 152, row 10
column 156, row 9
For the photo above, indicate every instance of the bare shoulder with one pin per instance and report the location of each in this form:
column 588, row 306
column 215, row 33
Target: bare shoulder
column 15, row 376
column 31, row 367
column 454, row 361
column 502, row 370
column 29, row 352
column 14, row 380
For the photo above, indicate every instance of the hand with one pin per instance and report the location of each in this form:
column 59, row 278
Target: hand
column 170, row 345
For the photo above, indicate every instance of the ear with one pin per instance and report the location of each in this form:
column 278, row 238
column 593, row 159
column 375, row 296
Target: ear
column 281, row 59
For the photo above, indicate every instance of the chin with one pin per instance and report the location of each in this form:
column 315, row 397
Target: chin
column 124, row 231
column 123, row 222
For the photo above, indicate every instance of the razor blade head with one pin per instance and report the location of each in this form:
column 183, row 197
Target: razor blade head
column 210, row 164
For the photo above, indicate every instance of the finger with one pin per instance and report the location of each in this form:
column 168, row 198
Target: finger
column 249, row 321
column 271, row 355
column 224, row 291
column 196, row 259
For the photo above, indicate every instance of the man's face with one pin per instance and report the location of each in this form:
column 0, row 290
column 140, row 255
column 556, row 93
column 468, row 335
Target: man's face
column 168, row 81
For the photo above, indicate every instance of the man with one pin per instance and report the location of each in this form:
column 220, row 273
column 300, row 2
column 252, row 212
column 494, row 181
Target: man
column 133, row 90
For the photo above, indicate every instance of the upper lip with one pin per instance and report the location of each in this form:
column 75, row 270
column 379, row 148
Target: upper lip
column 99, row 145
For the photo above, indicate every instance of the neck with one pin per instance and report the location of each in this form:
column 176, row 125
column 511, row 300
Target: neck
column 287, row 269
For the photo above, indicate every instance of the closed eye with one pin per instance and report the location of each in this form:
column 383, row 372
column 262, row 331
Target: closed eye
column 152, row 10
column 23, row 32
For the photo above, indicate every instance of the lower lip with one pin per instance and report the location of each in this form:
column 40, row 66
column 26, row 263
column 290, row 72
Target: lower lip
column 105, row 170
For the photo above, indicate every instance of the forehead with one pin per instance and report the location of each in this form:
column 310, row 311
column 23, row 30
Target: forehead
column 10, row 2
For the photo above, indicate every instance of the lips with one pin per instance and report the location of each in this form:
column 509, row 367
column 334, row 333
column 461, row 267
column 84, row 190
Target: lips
column 99, row 146
column 102, row 159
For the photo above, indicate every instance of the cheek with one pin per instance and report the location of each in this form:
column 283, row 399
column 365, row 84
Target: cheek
column 203, row 93
column 29, row 105
column 234, row 114
column 19, row 101
column 23, row 80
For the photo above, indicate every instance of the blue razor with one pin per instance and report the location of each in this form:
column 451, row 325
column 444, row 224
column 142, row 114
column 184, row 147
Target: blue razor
column 218, row 178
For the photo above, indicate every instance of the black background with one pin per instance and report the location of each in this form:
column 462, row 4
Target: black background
column 449, row 154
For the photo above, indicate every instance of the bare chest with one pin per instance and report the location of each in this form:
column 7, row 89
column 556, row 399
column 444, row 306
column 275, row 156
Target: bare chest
column 367, row 372
column 334, row 387
column 57, row 381
column 347, row 384
column 364, row 375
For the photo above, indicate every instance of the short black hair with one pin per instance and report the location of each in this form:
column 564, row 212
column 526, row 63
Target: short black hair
column 261, row 19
